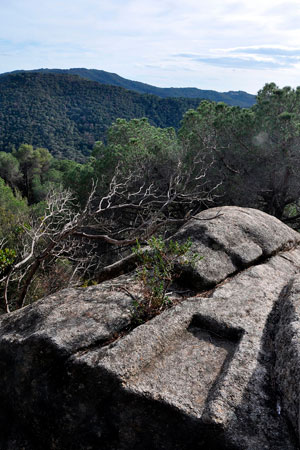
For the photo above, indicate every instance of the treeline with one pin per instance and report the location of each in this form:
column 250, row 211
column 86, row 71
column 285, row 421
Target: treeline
column 67, row 219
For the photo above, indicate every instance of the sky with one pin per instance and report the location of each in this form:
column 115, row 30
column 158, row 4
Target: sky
column 214, row 44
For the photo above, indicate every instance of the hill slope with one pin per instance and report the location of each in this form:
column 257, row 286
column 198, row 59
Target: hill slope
column 233, row 98
column 67, row 114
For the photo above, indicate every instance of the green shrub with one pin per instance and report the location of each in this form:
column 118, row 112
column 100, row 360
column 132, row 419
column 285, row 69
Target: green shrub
column 7, row 257
column 159, row 268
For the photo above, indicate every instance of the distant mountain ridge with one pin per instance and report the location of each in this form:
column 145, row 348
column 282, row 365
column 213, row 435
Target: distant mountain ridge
column 233, row 98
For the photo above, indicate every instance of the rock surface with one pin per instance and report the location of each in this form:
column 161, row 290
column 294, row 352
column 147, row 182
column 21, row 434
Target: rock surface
column 218, row 371
column 230, row 239
column 287, row 347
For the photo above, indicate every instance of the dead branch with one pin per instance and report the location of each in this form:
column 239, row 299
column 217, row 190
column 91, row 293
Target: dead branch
column 134, row 207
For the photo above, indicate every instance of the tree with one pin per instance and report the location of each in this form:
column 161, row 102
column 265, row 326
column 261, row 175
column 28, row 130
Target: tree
column 10, row 169
column 44, row 240
column 223, row 133
column 12, row 209
column 132, row 144
column 255, row 150
column 34, row 165
column 277, row 136
column 133, row 205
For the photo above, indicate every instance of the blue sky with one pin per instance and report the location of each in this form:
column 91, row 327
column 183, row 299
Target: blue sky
column 216, row 44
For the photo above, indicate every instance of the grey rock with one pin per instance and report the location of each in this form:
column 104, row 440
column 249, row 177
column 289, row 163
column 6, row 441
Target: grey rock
column 211, row 373
column 35, row 345
column 229, row 239
column 70, row 319
column 287, row 347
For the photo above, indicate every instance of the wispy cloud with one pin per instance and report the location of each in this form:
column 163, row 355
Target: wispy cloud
column 237, row 63
column 251, row 58
column 269, row 51
column 226, row 45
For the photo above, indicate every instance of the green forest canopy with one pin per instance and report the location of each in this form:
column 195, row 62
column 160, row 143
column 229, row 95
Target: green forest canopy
column 67, row 114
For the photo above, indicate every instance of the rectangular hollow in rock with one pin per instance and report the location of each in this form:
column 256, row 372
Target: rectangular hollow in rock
column 187, row 371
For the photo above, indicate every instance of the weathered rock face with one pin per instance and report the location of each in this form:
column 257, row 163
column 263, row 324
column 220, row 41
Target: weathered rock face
column 231, row 239
column 218, row 371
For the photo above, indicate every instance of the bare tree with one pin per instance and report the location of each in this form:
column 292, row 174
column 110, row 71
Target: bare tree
column 135, row 206
column 45, row 239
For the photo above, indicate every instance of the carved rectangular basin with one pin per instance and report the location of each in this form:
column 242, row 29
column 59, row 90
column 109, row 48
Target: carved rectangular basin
column 186, row 373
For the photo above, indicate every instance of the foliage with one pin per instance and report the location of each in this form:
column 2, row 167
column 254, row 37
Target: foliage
column 34, row 164
column 41, row 254
column 67, row 114
column 10, row 169
column 13, row 211
column 256, row 151
column 134, row 144
column 7, row 258
column 160, row 266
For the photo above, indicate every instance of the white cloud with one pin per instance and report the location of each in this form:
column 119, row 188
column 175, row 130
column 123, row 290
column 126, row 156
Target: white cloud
column 227, row 40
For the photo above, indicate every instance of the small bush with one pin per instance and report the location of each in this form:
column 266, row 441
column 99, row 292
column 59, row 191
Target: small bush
column 159, row 268
column 7, row 258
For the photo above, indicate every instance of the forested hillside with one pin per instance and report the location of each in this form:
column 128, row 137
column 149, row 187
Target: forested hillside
column 67, row 114
column 233, row 98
